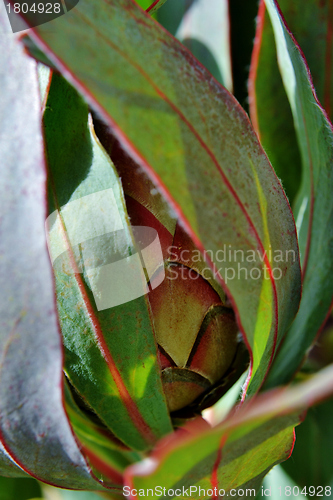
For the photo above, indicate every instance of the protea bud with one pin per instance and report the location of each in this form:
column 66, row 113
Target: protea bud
column 195, row 328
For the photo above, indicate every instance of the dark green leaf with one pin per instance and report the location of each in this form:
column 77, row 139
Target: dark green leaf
column 311, row 463
column 19, row 488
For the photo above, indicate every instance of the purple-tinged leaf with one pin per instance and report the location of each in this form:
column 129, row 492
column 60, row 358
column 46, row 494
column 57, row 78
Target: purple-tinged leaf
column 33, row 424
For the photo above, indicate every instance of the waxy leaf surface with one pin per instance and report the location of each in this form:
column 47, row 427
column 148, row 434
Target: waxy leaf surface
column 314, row 206
column 33, row 424
column 196, row 143
column 236, row 454
column 110, row 355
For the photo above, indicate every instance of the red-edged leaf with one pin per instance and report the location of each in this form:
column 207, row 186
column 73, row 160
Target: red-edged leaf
column 196, row 143
column 7, row 465
column 270, row 110
column 110, row 349
column 314, row 205
column 234, row 456
column 34, row 426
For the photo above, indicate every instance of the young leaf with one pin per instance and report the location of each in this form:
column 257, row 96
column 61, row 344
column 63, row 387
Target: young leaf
column 236, row 454
column 196, row 143
column 110, row 355
column 314, row 207
column 33, row 424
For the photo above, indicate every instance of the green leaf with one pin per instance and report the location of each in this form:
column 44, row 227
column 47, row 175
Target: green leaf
column 311, row 463
column 19, row 488
column 110, row 353
column 8, row 467
column 204, row 30
column 106, row 454
column 314, row 207
column 270, row 110
column 33, row 425
column 150, row 6
column 236, row 454
column 196, row 143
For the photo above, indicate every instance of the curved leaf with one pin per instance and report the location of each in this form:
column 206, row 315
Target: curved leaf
column 106, row 454
column 311, row 464
column 34, row 426
column 113, row 378
column 314, row 207
column 8, row 467
column 196, row 143
column 236, row 454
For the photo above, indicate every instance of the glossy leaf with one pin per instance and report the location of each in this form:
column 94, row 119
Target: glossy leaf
column 205, row 31
column 236, row 454
column 34, row 427
column 113, row 378
column 314, row 207
column 196, row 143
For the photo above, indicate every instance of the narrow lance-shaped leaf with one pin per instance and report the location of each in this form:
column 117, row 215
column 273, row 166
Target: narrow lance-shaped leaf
column 314, row 207
column 110, row 348
column 196, row 143
column 234, row 456
column 33, row 424
column 270, row 110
